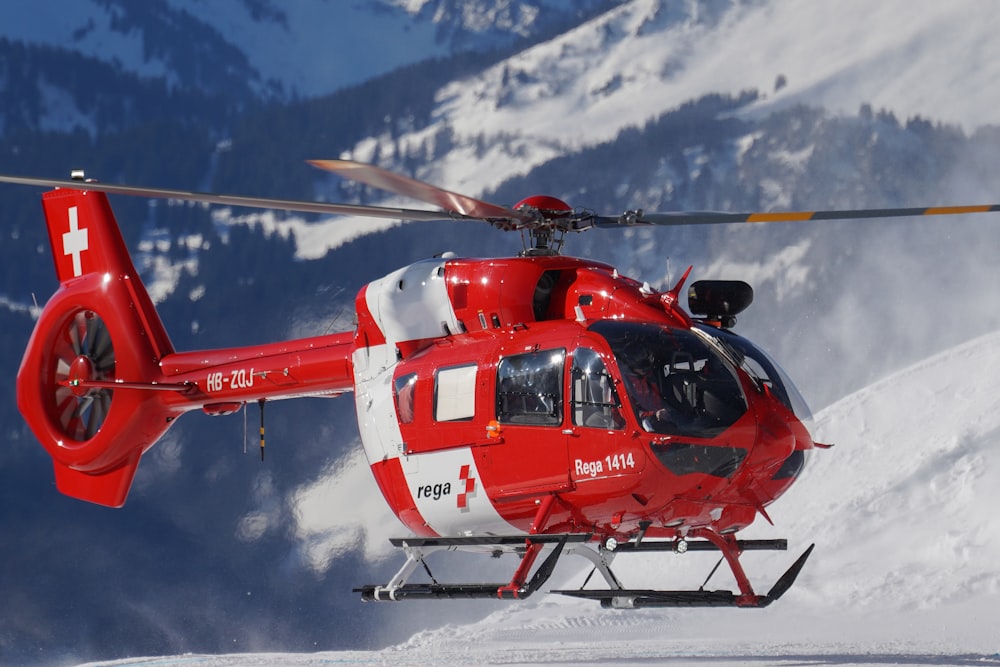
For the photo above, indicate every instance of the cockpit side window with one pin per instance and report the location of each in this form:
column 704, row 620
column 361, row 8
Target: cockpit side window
column 594, row 401
column 530, row 388
column 403, row 392
column 762, row 368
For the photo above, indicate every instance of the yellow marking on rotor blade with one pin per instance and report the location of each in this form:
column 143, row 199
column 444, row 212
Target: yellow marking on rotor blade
column 956, row 210
column 788, row 216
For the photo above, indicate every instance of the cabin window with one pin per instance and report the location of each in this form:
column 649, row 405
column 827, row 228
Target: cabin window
column 404, row 387
column 594, row 401
column 455, row 393
column 530, row 388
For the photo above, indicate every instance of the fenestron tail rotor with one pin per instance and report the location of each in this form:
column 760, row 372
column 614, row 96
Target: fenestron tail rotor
column 82, row 354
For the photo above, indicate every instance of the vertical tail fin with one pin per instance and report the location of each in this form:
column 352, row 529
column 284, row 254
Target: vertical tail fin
column 85, row 240
column 100, row 329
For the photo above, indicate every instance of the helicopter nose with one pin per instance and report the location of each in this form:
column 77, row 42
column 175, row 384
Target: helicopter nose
column 777, row 458
column 775, row 442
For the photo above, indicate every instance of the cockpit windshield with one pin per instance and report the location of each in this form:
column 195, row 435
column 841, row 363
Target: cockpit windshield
column 764, row 370
column 677, row 383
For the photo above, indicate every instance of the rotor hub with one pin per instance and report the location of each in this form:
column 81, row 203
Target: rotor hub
column 81, row 371
column 83, row 356
column 549, row 207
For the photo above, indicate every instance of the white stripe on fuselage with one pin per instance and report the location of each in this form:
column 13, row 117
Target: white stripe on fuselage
column 412, row 304
column 449, row 494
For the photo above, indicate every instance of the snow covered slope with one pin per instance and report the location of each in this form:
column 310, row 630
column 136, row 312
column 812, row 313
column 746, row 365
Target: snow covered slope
column 619, row 69
column 646, row 57
column 635, row 62
column 903, row 514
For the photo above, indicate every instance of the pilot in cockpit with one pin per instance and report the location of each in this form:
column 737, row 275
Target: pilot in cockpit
column 642, row 383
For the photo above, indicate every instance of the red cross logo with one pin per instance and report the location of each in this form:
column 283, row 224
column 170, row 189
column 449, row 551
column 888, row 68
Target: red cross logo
column 75, row 241
column 469, row 488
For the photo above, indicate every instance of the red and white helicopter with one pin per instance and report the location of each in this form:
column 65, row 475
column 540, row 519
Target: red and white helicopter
column 531, row 404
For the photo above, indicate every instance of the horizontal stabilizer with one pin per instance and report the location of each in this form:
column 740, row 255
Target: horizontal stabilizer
column 106, row 488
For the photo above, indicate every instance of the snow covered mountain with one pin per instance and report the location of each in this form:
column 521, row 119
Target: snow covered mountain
column 629, row 65
column 301, row 49
column 809, row 106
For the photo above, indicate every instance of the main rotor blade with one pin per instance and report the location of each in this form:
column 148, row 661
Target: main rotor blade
column 242, row 201
column 681, row 218
column 461, row 207
column 425, row 192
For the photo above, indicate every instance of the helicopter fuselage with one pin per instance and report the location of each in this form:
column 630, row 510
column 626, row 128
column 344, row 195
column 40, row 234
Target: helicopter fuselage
column 485, row 386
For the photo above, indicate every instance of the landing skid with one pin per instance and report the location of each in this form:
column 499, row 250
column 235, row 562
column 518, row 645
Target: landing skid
column 529, row 547
column 622, row 598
